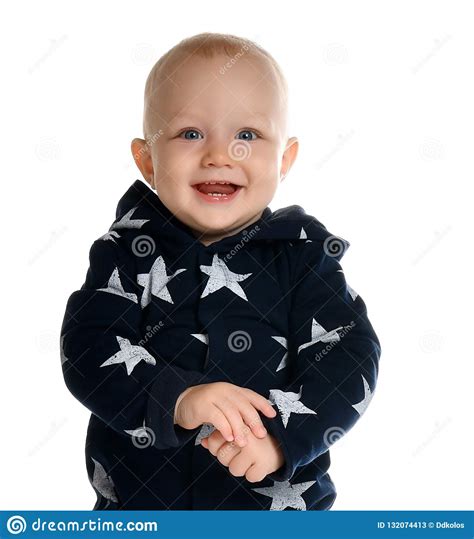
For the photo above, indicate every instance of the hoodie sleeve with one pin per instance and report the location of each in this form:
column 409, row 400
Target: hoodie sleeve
column 105, row 362
column 334, row 368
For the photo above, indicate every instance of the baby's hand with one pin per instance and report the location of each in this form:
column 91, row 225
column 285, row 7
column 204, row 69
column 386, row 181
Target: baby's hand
column 260, row 457
column 230, row 408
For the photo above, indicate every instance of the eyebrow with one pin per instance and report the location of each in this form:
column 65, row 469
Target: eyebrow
column 263, row 119
column 184, row 117
column 257, row 118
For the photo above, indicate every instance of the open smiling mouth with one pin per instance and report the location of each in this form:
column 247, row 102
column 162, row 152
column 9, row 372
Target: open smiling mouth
column 217, row 192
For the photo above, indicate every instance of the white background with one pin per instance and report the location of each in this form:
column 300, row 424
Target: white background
column 382, row 103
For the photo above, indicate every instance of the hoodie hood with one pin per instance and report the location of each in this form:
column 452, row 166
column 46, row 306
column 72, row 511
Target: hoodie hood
column 141, row 208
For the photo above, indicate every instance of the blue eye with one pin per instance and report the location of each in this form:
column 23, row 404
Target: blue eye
column 249, row 131
column 189, row 131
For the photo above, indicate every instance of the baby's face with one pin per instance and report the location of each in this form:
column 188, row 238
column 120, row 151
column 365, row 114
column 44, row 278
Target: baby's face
column 213, row 127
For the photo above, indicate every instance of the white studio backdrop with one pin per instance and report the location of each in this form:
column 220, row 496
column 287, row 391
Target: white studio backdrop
column 381, row 101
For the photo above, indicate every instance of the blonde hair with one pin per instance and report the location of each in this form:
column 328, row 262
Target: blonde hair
column 205, row 45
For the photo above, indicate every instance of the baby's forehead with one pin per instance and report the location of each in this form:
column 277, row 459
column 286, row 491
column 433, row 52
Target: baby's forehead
column 195, row 88
column 251, row 77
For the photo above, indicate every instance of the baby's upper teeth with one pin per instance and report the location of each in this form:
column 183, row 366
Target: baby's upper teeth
column 212, row 183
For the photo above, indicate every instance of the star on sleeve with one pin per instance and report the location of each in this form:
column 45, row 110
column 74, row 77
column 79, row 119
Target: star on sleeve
column 114, row 286
column 284, row 360
column 104, row 359
column 334, row 352
column 287, row 403
column 130, row 355
column 127, row 222
column 285, row 494
column 103, row 483
column 123, row 223
column 155, row 282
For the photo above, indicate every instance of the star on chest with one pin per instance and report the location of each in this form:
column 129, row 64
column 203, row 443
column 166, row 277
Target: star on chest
column 219, row 276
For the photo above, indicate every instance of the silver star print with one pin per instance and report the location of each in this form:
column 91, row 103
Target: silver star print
column 130, row 354
column 114, row 286
column 303, row 235
column 103, row 483
column 351, row 291
column 203, row 337
column 61, row 349
column 140, row 432
column 288, row 403
column 361, row 406
column 155, row 282
column 206, row 430
column 284, row 360
column 284, row 494
column 110, row 235
column 127, row 222
column 318, row 333
column 221, row 276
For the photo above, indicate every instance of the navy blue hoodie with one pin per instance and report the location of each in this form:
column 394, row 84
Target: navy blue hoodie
column 267, row 308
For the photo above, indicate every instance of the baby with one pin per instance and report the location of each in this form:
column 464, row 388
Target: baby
column 215, row 342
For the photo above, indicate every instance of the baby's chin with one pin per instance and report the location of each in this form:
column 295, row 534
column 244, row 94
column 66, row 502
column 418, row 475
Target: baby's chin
column 213, row 220
column 216, row 225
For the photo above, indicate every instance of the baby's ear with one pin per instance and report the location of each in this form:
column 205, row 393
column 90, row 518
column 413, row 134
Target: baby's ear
column 142, row 157
column 289, row 156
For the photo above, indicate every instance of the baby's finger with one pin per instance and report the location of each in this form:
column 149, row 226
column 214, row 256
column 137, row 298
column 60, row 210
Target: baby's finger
column 214, row 438
column 216, row 443
column 239, row 465
column 260, row 403
column 252, row 419
column 226, row 452
column 255, row 473
column 233, row 416
column 221, row 423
